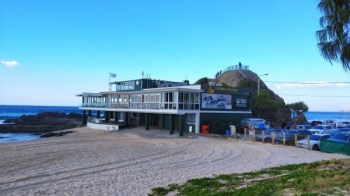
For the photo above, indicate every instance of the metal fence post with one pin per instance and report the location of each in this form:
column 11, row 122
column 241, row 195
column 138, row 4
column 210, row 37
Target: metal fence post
column 263, row 136
column 284, row 138
column 253, row 134
column 308, row 142
column 295, row 140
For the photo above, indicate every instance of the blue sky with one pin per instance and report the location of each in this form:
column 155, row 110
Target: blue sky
column 52, row 50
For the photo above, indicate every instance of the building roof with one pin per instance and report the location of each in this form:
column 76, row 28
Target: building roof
column 189, row 88
column 85, row 94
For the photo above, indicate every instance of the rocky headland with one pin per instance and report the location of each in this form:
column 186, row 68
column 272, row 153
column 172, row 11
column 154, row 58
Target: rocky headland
column 46, row 123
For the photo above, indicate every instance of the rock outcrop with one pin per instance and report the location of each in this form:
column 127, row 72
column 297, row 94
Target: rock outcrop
column 247, row 78
column 42, row 123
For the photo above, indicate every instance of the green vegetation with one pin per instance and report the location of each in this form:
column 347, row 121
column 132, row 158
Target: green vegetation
column 263, row 103
column 298, row 106
column 318, row 178
column 334, row 37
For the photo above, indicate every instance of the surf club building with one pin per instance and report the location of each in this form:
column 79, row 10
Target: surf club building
column 173, row 106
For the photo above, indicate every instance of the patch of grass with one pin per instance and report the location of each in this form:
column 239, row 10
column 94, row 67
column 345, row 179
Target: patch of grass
column 324, row 177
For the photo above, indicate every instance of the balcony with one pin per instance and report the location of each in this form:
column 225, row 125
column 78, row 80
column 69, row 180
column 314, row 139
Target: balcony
column 93, row 105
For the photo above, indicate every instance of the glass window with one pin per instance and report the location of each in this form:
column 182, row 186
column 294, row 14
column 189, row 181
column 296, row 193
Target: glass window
column 157, row 98
column 139, row 98
column 181, row 97
column 191, row 118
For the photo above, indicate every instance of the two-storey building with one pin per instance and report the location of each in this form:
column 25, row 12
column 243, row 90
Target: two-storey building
column 176, row 106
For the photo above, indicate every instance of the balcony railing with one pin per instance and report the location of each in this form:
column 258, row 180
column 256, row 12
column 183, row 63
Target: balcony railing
column 94, row 105
column 149, row 106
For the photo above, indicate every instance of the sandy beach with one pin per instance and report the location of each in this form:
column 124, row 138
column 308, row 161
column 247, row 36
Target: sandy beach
column 131, row 161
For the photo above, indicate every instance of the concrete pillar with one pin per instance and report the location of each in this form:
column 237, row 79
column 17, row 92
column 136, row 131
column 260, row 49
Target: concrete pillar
column 146, row 121
column 106, row 116
column 160, row 121
column 171, row 124
column 126, row 120
column 197, row 126
column 90, row 113
column 84, row 120
column 181, row 124
column 98, row 114
column 115, row 117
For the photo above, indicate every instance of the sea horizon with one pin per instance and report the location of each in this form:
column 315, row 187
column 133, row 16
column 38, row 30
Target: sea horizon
column 15, row 111
column 78, row 105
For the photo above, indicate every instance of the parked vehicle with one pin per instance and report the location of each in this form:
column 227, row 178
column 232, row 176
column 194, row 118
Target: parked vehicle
column 288, row 136
column 303, row 127
column 319, row 129
column 316, row 122
column 343, row 124
column 341, row 137
column 315, row 141
column 330, row 122
column 256, row 123
column 259, row 136
column 339, row 143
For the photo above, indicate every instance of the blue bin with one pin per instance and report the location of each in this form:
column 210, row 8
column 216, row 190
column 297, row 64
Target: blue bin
column 227, row 132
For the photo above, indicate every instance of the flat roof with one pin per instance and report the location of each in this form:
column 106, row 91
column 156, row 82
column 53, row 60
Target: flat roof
column 189, row 88
column 85, row 94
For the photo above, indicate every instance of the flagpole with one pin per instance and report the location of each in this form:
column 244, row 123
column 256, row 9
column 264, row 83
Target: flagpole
column 109, row 81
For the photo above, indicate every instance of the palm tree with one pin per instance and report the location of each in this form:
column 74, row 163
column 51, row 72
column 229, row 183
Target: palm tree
column 334, row 38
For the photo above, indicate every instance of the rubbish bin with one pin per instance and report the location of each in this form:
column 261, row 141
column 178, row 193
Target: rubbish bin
column 233, row 131
column 205, row 129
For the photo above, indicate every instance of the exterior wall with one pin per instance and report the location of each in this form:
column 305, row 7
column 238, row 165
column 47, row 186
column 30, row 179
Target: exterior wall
column 106, row 127
column 189, row 106
column 219, row 122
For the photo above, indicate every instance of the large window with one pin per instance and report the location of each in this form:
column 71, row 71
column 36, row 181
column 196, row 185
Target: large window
column 188, row 101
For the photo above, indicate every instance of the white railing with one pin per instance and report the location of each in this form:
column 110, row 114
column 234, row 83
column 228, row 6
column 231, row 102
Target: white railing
column 94, row 105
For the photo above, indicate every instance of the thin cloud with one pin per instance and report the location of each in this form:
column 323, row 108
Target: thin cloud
column 311, row 85
column 9, row 63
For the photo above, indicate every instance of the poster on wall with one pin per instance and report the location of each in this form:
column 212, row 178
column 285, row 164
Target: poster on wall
column 241, row 103
column 216, row 101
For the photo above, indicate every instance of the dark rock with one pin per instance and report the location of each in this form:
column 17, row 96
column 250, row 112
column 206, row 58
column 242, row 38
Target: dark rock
column 74, row 115
column 42, row 123
column 10, row 121
column 53, row 134
column 250, row 80
column 48, row 135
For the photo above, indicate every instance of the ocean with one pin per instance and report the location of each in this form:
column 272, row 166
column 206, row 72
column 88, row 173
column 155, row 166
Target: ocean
column 336, row 116
column 15, row 111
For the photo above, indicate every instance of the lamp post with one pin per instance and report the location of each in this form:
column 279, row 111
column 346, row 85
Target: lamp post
column 259, row 81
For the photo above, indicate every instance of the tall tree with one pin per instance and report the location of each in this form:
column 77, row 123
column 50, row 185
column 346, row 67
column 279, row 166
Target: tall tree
column 298, row 106
column 334, row 37
column 263, row 103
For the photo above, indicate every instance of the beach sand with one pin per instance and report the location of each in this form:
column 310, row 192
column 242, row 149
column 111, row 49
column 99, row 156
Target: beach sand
column 131, row 161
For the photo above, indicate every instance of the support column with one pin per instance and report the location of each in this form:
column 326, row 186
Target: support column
column 160, row 121
column 181, row 123
column 126, row 118
column 98, row 114
column 197, row 126
column 171, row 124
column 146, row 121
column 115, row 117
column 89, row 113
column 106, row 116
column 84, row 118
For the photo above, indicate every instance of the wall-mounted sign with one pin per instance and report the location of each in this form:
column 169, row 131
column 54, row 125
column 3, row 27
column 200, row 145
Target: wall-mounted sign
column 241, row 102
column 216, row 101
